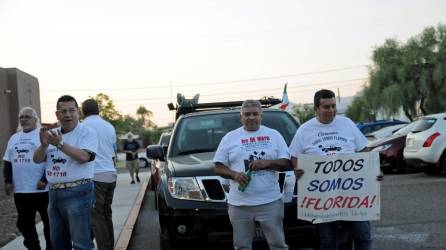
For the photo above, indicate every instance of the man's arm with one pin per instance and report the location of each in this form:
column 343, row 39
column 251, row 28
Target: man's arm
column 41, row 184
column 7, row 171
column 40, row 154
column 225, row 172
column 277, row 165
column 7, row 175
column 297, row 171
column 80, row 155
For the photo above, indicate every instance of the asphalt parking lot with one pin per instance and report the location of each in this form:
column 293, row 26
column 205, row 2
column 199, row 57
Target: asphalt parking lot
column 412, row 216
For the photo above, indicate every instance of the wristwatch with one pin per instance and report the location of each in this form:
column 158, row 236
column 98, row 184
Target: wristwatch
column 60, row 145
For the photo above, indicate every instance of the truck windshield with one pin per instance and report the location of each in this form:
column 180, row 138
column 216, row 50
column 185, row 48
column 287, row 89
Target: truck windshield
column 196, row 134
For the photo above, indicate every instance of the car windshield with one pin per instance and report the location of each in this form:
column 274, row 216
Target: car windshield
column 386, row 131
column 197, row 134
column 405, row 130
column 424, row 124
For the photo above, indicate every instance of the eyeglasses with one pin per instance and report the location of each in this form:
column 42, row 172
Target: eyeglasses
column 66, row 111
column 251, row 113
column 25, row 117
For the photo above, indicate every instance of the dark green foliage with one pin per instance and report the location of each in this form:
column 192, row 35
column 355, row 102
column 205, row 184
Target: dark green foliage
column 303, row 113
column 142, row 125
column 411, row 76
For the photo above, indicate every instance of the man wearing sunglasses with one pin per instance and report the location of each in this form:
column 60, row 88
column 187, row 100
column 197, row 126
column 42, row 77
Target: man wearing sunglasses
column 68, row 152
column 254, row 198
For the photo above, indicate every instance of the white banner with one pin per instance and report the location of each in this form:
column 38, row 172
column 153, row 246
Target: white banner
column 339, row 187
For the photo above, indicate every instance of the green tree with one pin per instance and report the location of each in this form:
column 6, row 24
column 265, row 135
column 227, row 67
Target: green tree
column 303, row 112
column 107, row 108
column 145, row 115
column 142, row 125
column 411, row 76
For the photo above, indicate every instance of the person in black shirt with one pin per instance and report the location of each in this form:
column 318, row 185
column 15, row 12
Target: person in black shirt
column 131, row 147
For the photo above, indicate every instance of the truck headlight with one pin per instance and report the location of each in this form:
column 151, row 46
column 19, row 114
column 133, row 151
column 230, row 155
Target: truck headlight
column 184, row 188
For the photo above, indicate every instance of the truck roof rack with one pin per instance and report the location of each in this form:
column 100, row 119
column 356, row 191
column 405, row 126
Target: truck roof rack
column 192, row 105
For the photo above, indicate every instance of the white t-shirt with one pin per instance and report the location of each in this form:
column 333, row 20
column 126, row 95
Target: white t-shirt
column 339, row 136
column 25, row 172
column 106, row 139
column 240, row 145
column 62, row 168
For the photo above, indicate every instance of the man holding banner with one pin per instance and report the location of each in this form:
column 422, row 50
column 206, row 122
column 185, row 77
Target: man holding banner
column 339, row 187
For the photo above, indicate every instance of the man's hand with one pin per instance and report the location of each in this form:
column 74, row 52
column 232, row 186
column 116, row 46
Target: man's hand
column 44, row 136
column 8, row 188
column 54, row 137
column 298, row 172
column 380, row 177
column 241, row 178
column 41, row 185
column 258, row 165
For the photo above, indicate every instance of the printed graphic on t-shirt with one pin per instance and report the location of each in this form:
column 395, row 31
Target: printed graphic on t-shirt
column 256, row 146
column 256, row 155
column 22, row 151
column 22, row 155
column 329, row 142
column 255, row 143
column 56, row 168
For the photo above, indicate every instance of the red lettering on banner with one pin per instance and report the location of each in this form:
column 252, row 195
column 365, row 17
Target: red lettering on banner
column 252, row 139
column 338, row 202
column 244, row 141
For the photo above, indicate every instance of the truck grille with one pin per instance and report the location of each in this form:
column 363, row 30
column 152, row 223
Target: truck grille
column 214, row 189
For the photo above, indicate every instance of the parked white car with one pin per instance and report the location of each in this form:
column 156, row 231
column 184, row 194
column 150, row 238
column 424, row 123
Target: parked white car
column 426, row 144
column 143, row 161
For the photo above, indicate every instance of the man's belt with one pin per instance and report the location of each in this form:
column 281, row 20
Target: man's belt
column 69, row 184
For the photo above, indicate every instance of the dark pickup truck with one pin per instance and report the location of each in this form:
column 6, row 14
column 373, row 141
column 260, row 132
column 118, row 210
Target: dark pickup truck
column 191, row 198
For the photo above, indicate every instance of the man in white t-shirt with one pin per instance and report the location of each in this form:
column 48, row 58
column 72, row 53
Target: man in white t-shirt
column 263, row 151
column 104, row 175
column 69, row 152
column 329, row 134
column 27, row 179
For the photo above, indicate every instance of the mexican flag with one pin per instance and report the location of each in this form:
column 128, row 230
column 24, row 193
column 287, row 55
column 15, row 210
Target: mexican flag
column 285, row 100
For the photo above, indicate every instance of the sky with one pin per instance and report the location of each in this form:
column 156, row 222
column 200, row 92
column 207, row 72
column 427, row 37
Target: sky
column 144, row 52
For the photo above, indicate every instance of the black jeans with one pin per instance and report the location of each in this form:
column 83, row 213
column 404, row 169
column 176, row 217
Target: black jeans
column 102, row 215
column 27, row 204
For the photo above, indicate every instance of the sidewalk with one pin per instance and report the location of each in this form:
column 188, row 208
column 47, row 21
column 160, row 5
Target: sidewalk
column 126, row 202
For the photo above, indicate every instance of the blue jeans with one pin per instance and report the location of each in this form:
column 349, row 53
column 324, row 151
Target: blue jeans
column 69, row 212
column 359, row 230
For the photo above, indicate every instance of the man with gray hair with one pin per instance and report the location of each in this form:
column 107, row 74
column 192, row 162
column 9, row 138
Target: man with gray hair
column 104, row 175
column 250, row 157
column 27, row 179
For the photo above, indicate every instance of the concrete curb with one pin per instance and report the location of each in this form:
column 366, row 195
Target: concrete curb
column 126, row 233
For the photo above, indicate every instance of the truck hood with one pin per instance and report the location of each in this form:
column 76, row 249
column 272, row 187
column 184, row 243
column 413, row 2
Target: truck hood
column 199, row 164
